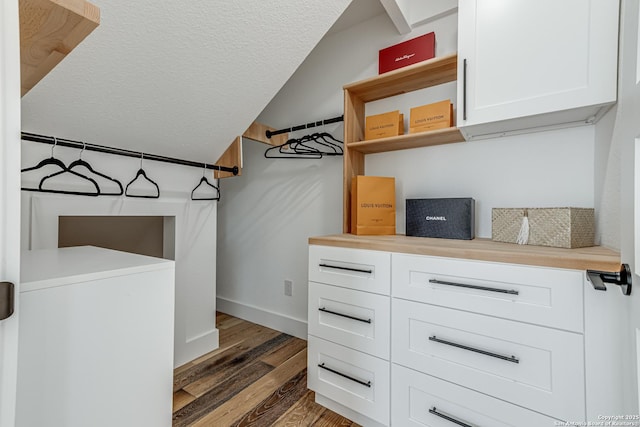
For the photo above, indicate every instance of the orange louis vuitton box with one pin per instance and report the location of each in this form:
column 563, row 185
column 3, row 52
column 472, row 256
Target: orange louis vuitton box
column 373, row 205
column 438, row 115
column 384, row 125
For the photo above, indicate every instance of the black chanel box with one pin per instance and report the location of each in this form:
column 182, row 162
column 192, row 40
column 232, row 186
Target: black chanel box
column 445, row 218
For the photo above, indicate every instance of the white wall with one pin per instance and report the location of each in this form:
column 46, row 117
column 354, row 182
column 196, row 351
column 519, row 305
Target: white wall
column 271, row 211
column 607, row 160
column 266, row 217
column 195, row 226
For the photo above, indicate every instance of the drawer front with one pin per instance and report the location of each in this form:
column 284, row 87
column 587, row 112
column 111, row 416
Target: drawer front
column 352, row 268
column 354, row 379
column 421, row 400
column 532, row 366
column 356, row 319
column 543, row 296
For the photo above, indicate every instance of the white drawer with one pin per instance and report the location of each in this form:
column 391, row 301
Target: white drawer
column 352, row 268
column 532, row 366
column 544, row 296
column 421, row 400
column 355, row 319
column 354, row 379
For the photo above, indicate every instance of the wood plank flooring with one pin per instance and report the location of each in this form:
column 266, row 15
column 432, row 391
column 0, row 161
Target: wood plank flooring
column 258, row 377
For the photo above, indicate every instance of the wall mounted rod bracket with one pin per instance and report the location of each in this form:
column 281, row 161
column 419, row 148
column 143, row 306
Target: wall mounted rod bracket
column 621, row 278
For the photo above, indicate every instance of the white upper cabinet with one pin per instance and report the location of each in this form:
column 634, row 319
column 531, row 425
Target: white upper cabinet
column 526, row 64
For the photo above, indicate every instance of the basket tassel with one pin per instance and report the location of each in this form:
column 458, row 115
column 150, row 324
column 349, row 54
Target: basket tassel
column 523, row 235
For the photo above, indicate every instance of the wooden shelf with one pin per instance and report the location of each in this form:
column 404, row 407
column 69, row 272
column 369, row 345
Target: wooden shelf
column 592, row 258
column 49, row 30
column 404, row 142
column 422, row 75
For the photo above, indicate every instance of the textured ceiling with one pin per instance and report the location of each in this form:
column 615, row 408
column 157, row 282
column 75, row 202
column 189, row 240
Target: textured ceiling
column 179, row 79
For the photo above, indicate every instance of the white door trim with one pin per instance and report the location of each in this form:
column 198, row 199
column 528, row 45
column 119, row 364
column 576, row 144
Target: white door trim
column 9, row 199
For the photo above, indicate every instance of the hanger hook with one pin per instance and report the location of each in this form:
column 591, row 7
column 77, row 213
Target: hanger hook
column 141, row 158
column 84, row 145
column 204, row 168
column 55, row 142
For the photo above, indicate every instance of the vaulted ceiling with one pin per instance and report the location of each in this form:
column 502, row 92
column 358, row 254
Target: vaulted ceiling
column 184, row 78
column 176, row 78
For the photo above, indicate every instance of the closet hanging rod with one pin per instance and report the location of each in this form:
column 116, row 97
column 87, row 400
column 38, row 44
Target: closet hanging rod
column 26, row 136
column 271, row 133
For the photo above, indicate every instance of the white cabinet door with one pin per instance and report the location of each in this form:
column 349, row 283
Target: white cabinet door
column 523, row 60
column 626, row 146
column 9, row 199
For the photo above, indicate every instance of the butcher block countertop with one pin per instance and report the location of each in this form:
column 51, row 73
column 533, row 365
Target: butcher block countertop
column 592, row 258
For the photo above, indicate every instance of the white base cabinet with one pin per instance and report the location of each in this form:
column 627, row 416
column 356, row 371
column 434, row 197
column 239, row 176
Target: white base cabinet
column 474, row 343
column 96, row 339
column 349, row 332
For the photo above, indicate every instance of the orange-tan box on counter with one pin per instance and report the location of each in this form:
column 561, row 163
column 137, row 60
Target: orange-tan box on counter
column 384, row 125
column 373, row 205
column 438, row 115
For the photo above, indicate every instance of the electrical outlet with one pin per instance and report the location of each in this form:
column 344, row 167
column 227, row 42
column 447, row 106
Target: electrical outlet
column 288, row 288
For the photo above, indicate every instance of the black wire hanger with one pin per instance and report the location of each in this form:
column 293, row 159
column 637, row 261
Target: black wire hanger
column 83, row 163
column 54, row 161
column 206, row 182
column 143, row 174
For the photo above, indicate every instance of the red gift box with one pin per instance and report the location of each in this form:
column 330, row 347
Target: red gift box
column 407, row 53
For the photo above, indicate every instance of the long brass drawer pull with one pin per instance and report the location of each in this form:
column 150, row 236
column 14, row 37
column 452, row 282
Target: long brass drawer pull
column 512, row 359
column 480, row 288
column 448, row 418
column 324, row 310
column 366, row 384
column 337, row 267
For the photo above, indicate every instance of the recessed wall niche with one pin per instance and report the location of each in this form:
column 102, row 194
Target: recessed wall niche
column 145, row 235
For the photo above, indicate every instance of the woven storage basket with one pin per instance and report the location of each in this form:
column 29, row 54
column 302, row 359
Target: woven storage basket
column 558, row 227
column 506, row 223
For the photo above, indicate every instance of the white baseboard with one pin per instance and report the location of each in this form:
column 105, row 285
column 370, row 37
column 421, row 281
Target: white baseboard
column 270, row 319
column 195, row 347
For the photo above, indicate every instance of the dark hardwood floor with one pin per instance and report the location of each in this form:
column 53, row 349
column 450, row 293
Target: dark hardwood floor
column 258, row 377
